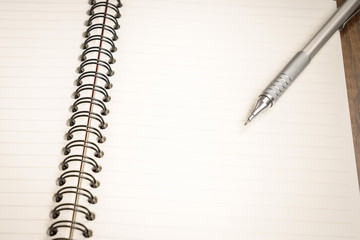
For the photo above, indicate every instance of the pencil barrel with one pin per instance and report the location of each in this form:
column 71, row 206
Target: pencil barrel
column 286, row 77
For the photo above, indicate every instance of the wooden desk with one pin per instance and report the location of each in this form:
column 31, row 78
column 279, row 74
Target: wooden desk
column 350, row 39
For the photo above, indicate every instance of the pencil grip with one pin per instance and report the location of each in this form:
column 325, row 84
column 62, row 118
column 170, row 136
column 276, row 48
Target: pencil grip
column 286, row 77
column 82, row 152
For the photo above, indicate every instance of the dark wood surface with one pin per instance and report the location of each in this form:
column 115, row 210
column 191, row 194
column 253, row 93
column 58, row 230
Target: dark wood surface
column 350, row 40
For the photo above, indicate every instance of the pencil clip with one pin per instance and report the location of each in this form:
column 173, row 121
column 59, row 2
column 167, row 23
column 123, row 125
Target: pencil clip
column 352, row 15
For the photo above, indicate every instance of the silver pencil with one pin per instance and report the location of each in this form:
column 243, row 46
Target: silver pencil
column 299, row 62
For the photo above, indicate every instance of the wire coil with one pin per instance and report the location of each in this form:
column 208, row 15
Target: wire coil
column 82, row 152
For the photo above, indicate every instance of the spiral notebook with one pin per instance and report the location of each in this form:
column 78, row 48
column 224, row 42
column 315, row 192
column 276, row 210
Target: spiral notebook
column 127, row 123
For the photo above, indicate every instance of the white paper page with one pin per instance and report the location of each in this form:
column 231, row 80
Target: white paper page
column 40, row 45
column 179, row 164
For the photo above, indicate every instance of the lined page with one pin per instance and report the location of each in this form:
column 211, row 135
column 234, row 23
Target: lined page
column 179, row 164
column 40, row 44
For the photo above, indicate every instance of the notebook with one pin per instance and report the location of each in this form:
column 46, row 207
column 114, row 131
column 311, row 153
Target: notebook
column 132, row 127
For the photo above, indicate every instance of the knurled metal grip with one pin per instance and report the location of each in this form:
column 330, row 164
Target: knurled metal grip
column 277, row 87
column 287, row 75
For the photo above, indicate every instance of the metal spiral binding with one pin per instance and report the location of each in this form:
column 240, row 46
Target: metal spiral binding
column 95, row 83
